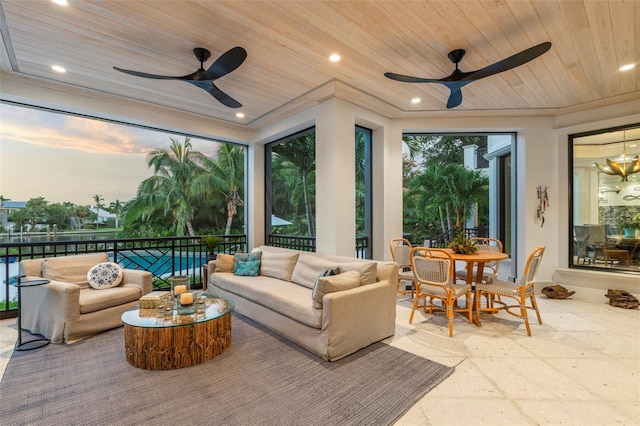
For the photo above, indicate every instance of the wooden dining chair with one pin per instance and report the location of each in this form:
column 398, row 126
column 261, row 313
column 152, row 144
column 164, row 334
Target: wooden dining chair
column 400, row 249
column 490, row 268
column 613, row 252
column 434, row 271
column 518, row 291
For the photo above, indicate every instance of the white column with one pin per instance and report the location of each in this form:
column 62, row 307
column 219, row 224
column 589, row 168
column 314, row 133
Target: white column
column 387, row 189
column 335, row 179
column 255, row 189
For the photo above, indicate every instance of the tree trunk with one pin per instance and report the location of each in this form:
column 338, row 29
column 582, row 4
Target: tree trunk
column 190, row 228
column 308, row 211
column 227, row 229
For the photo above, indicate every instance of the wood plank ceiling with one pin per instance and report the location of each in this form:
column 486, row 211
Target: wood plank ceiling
column 289, row 42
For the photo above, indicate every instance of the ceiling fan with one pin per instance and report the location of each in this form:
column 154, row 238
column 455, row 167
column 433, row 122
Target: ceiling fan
column 458, row 79
column 227, row 62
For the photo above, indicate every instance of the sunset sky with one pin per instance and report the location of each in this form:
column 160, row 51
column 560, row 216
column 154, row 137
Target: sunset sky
column 66, row 158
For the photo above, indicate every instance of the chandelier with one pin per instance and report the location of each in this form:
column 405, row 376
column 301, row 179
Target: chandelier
column 623, row 169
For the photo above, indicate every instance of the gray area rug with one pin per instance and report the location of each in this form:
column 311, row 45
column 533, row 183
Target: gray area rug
column 261, row 379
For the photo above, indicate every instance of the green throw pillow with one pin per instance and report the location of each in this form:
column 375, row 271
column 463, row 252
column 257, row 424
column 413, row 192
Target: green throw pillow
column 248, row 268
column 245, row 257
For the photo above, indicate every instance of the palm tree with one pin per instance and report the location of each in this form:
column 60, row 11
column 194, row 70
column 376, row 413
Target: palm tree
column 430, row 188
column 300, row 152
column 116, row 208
column 467, row 187
column 173, row 188
column 98, row 199
column 451, row 189
column 225, row 177
column 81, row 212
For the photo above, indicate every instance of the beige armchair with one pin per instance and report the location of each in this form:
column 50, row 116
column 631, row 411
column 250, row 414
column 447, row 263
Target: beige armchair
column 68, row 309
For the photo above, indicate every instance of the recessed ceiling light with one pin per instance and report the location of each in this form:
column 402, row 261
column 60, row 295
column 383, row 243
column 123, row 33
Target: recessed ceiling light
column 415, row 100
column 334, row 58
column 58, row 68
column 627, row 67
column 240, row 115
column 61, row 2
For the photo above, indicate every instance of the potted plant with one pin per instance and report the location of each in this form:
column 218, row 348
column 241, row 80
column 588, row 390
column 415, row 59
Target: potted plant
column 461, row 244
column 211, row 242
column 628, row 225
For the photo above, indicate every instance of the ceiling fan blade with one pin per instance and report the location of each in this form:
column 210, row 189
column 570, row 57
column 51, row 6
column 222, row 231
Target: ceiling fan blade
column 510, row 62
column 227, row 62
column 223, row 97
column 409, row 79
column 455, row 98
column 157, row 77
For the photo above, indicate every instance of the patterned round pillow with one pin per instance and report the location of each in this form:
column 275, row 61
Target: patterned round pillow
column 105, row 275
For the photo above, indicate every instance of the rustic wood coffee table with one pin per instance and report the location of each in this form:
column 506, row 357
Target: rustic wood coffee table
column 155, row 344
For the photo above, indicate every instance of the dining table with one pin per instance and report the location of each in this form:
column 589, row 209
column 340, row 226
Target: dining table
column 476, row 260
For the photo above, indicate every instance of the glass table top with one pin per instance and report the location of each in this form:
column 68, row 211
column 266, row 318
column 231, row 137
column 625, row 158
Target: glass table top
column 215, row 308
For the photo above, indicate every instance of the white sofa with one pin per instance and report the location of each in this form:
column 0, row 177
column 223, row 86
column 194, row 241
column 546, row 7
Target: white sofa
column 280, row 298
column 68, row 309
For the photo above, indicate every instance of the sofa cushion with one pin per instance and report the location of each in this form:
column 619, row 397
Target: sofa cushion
column 308, row 268
column 248, row 268
column 333, row 283
column 224, row 263
column 290, row 300
column 72, row 269
column 278, row 265
column 368, row 271
column 245, row 257
column 92, row 300
column 105, row 275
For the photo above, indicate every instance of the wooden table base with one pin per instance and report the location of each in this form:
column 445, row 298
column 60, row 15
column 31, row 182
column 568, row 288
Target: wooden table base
column 168, row 348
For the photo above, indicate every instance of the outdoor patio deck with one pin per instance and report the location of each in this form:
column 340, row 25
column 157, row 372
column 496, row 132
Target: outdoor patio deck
column 580, row 367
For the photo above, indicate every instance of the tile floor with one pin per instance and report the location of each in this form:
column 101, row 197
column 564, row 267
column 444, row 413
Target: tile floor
column 581, row 367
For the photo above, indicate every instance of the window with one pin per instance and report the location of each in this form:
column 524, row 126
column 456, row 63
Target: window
column 290, row 191
column 363, row 192
column 65, row 172
column 605, row 201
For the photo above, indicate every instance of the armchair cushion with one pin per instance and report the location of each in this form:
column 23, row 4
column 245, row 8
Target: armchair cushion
column 105, row 275
column 72, row 269
column 92, row 300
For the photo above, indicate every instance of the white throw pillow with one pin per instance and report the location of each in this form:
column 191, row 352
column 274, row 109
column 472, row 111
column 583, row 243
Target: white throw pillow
column 308, row 268
column 333, row 283
column 105, row 275
column 368, row 271
column 278, row 265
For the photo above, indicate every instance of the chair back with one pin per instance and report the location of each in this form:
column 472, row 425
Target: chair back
column 531, row 268
column 400, row 248
column 489, row 244
column 432, row 267
column 597, row 232
column 583, row 239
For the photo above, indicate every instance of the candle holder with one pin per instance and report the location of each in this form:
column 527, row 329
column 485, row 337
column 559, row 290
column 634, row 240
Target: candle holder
column 186, row 304
column 179, row 284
